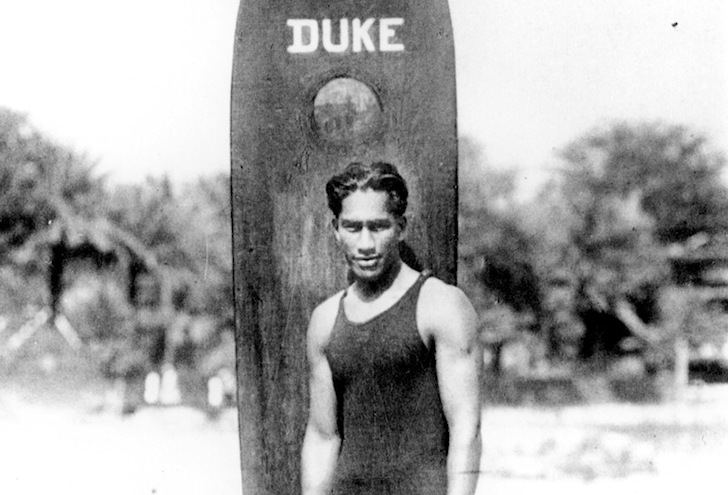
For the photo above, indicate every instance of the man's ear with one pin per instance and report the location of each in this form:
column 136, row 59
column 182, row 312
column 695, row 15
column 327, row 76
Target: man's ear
column 335, row 226
column 402, row 222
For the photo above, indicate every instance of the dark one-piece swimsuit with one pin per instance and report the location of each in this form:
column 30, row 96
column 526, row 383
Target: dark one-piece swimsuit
column 390, row 417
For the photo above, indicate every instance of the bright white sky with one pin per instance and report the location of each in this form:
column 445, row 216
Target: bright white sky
column 142, row 86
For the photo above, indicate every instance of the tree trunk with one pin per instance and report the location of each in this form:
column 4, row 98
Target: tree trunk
column 681, row 367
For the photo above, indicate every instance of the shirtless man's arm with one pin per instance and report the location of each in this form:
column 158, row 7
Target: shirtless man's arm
column 321, row 442
column 450, row 321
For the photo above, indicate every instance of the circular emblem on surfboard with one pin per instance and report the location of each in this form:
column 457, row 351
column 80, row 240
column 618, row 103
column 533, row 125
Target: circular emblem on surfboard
column 346, row 110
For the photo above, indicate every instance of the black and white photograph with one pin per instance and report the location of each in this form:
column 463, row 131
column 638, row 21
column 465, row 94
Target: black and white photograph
column 363, row 247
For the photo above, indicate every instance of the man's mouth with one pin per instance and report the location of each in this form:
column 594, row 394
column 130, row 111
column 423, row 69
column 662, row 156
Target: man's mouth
column 367, row 262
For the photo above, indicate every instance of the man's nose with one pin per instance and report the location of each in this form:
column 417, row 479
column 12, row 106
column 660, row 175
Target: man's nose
column 366, row 241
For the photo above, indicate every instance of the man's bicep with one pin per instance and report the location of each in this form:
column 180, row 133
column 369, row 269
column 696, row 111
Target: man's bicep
column 322, row 395
column 458, row 372
column 322, row 413
column 459, row 359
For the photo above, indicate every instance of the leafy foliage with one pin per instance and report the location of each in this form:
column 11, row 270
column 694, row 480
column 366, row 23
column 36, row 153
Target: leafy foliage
column 189, row 233
column 668, row 170
column 624, row 195
column 41, row 183
column 595, row 237
column 63, row 228
column 495, row 266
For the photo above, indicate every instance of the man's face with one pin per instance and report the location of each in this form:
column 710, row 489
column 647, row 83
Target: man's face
column 369, row 234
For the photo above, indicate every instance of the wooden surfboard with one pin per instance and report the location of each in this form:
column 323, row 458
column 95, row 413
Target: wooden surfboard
column 315, row 86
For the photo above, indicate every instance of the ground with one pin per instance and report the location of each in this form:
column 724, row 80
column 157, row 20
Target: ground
column 64, row 435
column 180, row 451
column 608, row 448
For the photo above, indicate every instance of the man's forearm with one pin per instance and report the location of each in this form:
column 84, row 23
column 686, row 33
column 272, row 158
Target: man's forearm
column 318, row 463
column 463, row 465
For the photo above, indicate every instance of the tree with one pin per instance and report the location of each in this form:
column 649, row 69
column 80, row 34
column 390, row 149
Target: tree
column 189, row 234
column 49, row 199
column 675, row 177
column 60, row 226
column 495, row 253
column 625, row 193
column 187, row 297
column 206, row 204
column 41, row 183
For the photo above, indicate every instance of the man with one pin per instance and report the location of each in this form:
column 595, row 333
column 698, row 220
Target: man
column 393, row 360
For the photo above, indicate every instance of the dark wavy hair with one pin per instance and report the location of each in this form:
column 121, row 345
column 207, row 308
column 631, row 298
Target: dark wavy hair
column 378, row 176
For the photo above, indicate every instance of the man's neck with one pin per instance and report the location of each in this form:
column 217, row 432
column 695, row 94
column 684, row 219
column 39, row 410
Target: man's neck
column 369, row 291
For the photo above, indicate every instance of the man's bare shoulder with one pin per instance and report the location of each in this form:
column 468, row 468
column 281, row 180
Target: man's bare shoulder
column 443, row 295
column 323, row 319
column 445, row 307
